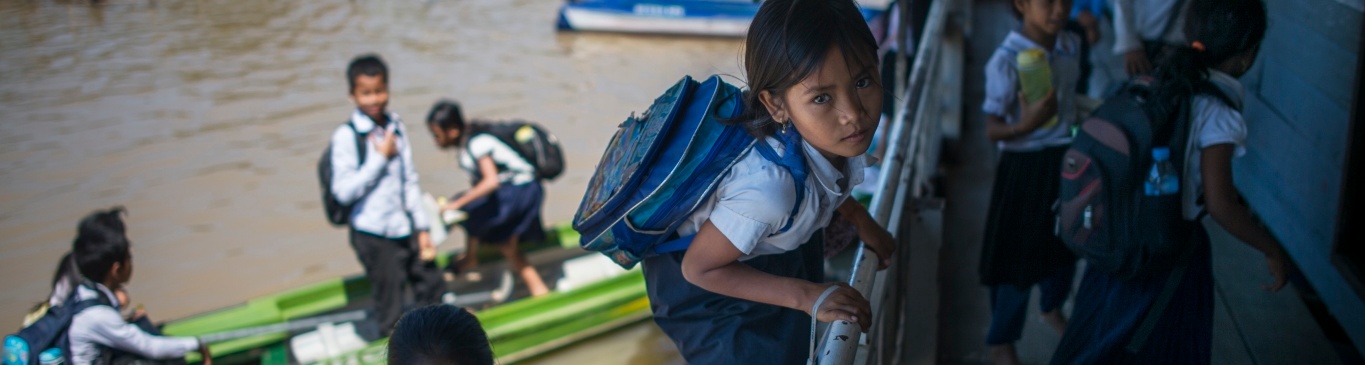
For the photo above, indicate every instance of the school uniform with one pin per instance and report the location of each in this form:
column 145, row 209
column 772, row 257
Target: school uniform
column 384, row 216
column 1109, row 309
column 750, row 206
column 96, row 332
column 1153, row 22
column 1020, row 249
column 513, row 210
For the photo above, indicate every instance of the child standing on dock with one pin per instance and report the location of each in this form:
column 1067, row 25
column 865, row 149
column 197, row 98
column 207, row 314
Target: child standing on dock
column 1019, row 249
column 383, row 192
column 746, row 288
column 1111, row 323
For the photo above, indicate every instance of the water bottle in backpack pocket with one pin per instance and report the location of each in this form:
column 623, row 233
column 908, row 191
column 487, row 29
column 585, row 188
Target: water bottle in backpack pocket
column 1119, row 203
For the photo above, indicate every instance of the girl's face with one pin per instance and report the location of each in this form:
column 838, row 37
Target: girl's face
column 835, row 108
column 1044, row 16
column 444, row 137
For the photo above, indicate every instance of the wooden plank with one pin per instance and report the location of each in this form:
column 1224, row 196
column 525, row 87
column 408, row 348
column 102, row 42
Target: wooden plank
column 1276, row 328
column 1313, row 113
column 1321, row 63
column 1340, row 24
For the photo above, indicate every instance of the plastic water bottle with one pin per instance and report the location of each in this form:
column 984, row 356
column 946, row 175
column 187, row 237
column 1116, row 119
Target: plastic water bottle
column 1162, row 178
column 1035, row 77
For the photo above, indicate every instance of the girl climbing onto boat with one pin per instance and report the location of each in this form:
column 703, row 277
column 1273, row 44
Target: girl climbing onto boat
column 503, row 205
column 746, row 288
column 1110, row 323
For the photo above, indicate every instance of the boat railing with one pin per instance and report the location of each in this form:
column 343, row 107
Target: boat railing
column 929, row 104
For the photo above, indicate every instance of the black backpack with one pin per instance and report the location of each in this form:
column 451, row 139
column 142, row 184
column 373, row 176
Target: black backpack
column 338, row 214
column 46, row 339
column 531, row 141
column 1102, row 212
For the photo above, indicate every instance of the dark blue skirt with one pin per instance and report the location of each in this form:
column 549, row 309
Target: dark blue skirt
column 710, row 328
column 1109, row 309
column 512, row 210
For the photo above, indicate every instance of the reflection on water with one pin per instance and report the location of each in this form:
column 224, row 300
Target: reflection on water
column 205, row 118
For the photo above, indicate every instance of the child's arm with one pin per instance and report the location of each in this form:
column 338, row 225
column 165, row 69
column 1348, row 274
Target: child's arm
column 1128, row 39
column 487, row 185
column 1031, row 116
column 873, row 235
column 350, row 183
column 109, row 329
column 1220, row 198
column 712, row 263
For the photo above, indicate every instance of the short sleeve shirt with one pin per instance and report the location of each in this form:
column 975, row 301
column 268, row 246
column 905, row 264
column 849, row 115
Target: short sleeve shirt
column 754, row 201
column 1002, row 89
column 512, row 167
column 1215, row 123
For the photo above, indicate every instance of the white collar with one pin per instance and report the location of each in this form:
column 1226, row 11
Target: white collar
column 1230, row 87
column 1017, row 42
column 363, row 123
column 100, row 289
column 827, row 176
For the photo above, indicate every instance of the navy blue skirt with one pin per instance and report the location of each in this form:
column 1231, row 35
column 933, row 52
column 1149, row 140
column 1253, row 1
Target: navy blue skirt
column 710, row 328
column 512, row 210
column 1109, row 309
column 1019, row 245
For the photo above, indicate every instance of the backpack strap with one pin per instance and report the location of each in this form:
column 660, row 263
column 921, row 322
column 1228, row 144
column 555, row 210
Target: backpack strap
column 1162, row 302
column 794, row 161
column 360, row 150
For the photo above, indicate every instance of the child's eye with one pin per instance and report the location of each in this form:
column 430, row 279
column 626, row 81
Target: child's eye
column 821, row 99
column 863, row 83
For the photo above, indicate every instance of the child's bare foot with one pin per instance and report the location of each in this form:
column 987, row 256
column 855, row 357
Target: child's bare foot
column 1056, row 320
column 1004, row 354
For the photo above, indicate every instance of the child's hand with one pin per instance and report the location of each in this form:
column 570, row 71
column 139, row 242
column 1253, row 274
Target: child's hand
column 1136, row 62
column 880, row 241
column 1033, row 115
column 426, row 251
column 844, row 304
column 1275, row 262
column 204, row 353
column 389, row 145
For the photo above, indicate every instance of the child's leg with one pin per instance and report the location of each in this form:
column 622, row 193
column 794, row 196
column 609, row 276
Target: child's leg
column 522, row 267
column 1009, row 306
column 1052, row 293
column 427, row 282
column 384, row 261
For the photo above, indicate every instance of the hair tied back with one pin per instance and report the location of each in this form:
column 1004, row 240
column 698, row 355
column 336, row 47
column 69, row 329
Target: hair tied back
column 1197, row 45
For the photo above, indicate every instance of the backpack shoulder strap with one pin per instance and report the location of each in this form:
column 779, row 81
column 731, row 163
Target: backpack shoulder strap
column 359, row 143
column 794, row 161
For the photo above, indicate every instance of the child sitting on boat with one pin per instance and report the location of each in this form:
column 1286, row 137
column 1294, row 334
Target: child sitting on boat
column 102, row 263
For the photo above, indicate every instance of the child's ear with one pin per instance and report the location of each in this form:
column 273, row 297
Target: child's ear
column 774, row 104
column 1020, row 6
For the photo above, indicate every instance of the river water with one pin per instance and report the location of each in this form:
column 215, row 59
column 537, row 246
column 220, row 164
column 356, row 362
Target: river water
column 206, row 118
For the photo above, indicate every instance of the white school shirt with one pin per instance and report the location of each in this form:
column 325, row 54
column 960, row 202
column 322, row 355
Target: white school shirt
column 100, row 327
column 516, row 170
column 1138, row 20
column 755, row 200
column 1002, row 89
column 1214, row 123
column 385, row 191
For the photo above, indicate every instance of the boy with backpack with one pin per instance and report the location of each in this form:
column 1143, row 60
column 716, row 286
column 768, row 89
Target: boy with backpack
column 374, row 182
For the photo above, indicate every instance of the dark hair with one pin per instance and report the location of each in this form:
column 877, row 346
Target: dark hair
column 367, row 64
column 788, row 40
column 1224, row 28
column 100, row 243
column 439, row 334
column 446, row 114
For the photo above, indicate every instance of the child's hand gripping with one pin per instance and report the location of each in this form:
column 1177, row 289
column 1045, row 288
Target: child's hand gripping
column 1033, row 115
column 874, row 236
column 844, row 304
column 388, row 146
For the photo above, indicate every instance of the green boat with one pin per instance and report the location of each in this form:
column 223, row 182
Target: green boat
column 259, row 331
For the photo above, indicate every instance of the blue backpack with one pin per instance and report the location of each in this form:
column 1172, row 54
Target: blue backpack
column 662, row 165
column 44, row 341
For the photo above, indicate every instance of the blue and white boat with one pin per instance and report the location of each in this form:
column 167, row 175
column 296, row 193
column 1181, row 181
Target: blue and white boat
column 724, row 18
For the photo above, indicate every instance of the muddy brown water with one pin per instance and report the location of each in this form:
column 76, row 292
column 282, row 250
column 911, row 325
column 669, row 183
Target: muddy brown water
column 205, row 119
